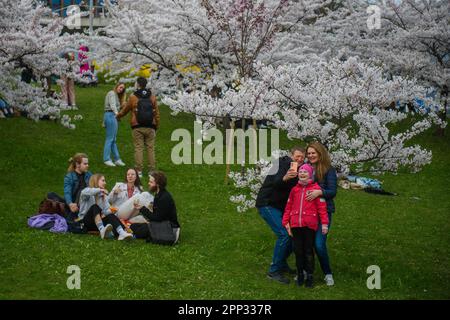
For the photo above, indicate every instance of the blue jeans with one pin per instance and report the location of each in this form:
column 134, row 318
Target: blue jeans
column 321, row 248
column 111, row 134
column 283, row 245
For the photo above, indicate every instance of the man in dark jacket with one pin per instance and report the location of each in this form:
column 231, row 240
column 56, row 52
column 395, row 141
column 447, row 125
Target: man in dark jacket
column 271, row 201
column 164, row 208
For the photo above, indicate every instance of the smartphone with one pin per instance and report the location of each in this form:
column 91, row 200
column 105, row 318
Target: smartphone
column 294, row 166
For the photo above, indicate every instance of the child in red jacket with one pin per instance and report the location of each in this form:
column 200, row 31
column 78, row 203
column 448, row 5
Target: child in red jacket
column 301, row 219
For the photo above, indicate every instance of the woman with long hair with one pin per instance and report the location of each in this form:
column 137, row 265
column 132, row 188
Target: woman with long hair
column 123, row 191
column 123, row 196
column 113, row 101
column 325, row 176
column 95, row 212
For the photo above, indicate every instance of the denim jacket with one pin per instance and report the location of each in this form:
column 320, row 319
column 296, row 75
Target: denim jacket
column 71, row 182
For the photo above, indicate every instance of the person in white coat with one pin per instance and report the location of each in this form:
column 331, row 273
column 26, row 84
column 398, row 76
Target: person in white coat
column 124, row 195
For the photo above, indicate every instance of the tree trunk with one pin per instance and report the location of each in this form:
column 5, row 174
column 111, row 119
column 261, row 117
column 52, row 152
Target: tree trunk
column 228, row 148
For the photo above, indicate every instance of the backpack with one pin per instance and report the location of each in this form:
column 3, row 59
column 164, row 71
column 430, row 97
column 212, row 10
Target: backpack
column 144, row 114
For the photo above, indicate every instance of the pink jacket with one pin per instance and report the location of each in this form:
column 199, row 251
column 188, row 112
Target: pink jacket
column 310, row 211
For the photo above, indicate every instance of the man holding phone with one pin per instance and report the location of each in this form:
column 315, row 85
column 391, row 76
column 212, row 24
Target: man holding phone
column 271, row 201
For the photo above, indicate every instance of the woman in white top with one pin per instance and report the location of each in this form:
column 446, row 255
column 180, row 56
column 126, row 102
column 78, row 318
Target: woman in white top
column 124, row 195
column 113, row 101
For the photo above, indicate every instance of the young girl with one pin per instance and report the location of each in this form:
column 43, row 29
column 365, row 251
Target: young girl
column 301, row 219
column 95, row 211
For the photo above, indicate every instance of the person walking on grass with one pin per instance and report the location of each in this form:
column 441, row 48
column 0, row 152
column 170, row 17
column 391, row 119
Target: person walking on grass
column 325, row 176
column 144, row 123
column 113, row 102
column 271, row 202
column 95, row 212
column 301, row 219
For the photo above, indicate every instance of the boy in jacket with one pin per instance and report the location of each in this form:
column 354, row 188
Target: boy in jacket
column 301, row 220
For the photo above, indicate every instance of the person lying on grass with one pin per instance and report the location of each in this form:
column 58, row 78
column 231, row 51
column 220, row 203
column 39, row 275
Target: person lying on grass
column 95, row 212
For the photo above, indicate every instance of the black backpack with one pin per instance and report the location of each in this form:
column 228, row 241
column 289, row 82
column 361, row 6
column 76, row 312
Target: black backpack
column 144, row 114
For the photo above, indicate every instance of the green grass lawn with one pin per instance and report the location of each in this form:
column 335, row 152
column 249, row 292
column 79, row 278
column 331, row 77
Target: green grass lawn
column 222, row 254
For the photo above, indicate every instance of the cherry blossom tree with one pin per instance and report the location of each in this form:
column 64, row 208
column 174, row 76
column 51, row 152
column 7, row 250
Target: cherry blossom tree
column 26, row 42
column 204, row 44
column 346, row 105
column 406, row 37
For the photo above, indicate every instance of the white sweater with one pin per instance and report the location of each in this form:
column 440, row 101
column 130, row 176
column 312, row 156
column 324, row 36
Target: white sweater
column 116, row 200
column 88, row 199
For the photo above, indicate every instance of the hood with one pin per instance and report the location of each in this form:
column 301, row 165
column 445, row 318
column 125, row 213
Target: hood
column 143, row 93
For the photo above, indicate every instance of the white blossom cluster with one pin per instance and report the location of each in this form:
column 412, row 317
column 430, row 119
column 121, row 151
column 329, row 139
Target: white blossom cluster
column 25, row 41
column 198, row 44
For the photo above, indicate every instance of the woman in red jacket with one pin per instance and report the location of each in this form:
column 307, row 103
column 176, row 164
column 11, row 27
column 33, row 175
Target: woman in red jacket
column 301, row 219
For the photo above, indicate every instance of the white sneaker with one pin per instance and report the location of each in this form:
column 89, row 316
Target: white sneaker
column 109, row 163
column 125, row 236
column 119, row 163
column 105, row 231
column 329, row 280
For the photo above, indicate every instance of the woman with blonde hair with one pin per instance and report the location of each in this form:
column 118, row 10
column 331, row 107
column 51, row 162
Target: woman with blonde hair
column 113, row 102
column 325, row 176
column 95, row 212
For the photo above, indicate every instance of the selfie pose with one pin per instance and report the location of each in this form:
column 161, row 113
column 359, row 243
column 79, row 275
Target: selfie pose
column 325, row 176
column 271, row 202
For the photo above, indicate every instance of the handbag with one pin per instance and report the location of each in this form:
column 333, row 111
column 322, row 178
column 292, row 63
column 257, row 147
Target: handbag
column 52, row 206
column 161, row 232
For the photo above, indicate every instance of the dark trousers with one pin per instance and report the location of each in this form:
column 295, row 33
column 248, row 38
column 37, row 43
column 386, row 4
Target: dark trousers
column 303, row 247
column 95, row 210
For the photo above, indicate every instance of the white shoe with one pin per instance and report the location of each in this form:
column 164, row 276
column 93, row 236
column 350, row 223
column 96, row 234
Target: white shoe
column 109, row 163
column 125, row 236
column 329, row 280
column 106, row 231
column 119, row 163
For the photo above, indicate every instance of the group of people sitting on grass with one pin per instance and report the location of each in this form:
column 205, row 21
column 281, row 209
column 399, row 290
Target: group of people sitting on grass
column 296, row 201
column 123, row 213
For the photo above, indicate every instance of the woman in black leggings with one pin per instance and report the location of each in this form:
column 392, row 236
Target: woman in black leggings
column 95, row 212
